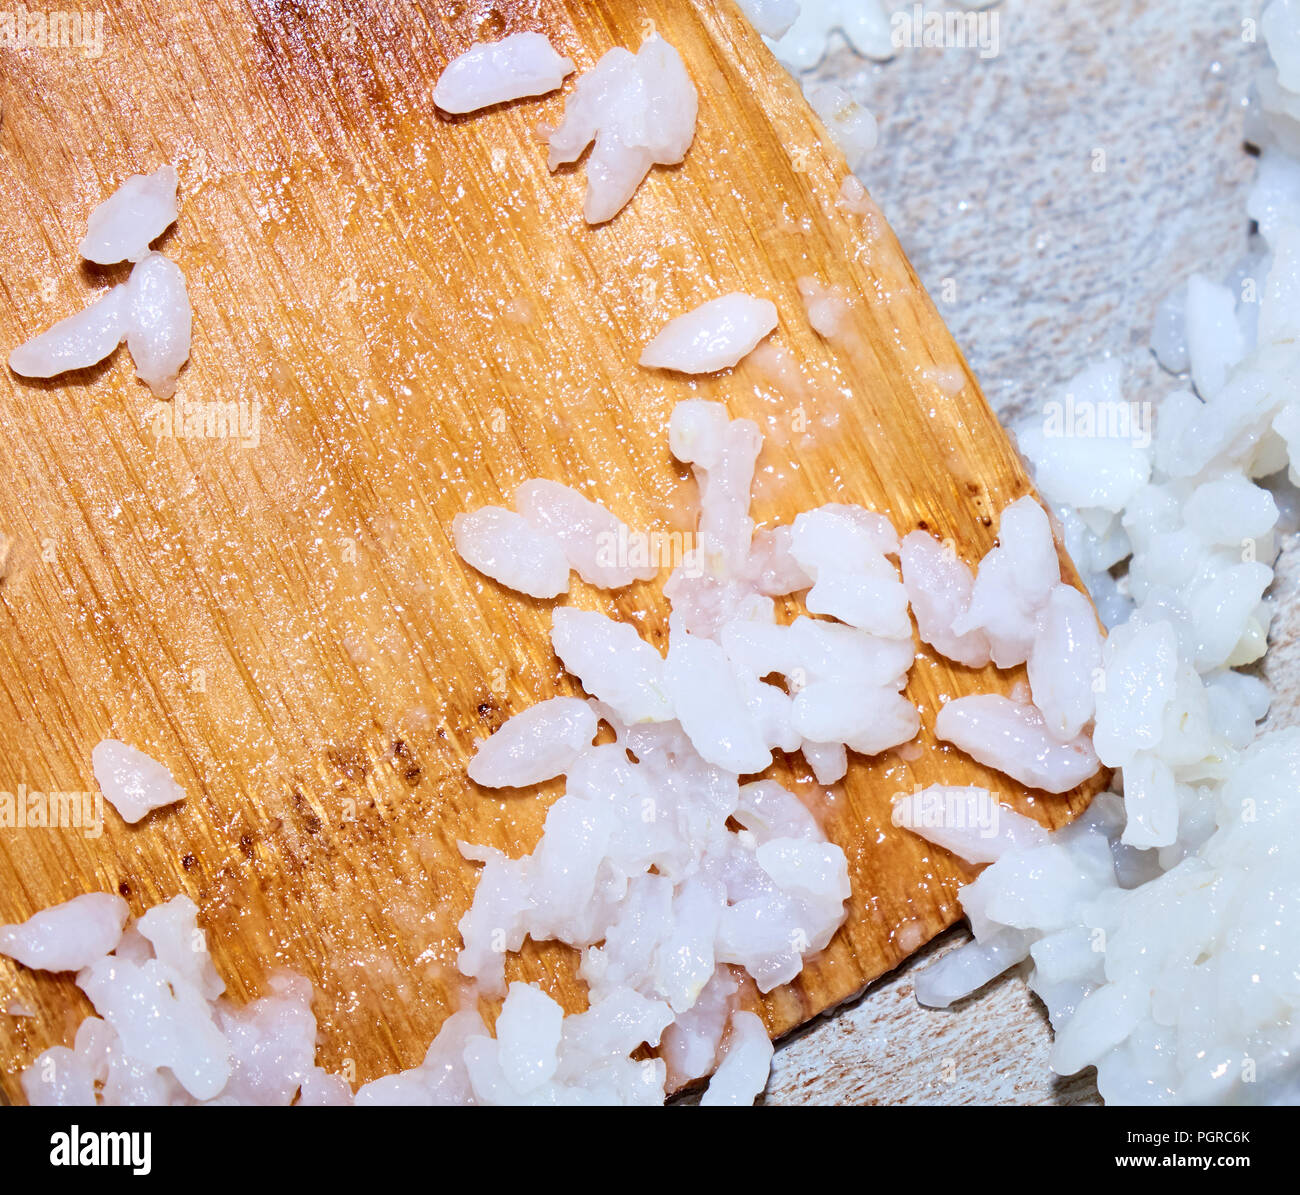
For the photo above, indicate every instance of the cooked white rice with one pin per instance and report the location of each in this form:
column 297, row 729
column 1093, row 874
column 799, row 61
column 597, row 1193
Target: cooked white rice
column 639, row 109
column 124, row 226
column 132, row 782
column 1158, row 926
column 520, row 65
column 1154, row 926
column 713, row 336
column 150, row 311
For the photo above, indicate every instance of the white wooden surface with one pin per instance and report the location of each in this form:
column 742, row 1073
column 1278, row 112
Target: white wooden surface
column 985, row 171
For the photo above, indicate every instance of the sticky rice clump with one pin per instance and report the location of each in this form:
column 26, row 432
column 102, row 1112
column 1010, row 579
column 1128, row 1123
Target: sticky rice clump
column 150, row 311
column 640, row 111
column 163, row 1032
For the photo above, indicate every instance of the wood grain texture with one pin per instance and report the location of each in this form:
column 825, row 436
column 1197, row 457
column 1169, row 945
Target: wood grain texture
column 423, row 320
column 993, row 1048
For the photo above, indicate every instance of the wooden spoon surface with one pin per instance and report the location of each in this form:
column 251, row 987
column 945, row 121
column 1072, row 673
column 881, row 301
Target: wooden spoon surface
column 417, row 319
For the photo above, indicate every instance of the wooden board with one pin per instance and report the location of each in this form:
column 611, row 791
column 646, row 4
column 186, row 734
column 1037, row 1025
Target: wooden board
column 422, row 320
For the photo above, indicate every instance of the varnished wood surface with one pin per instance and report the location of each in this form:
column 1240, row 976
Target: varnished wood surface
column 423, row 320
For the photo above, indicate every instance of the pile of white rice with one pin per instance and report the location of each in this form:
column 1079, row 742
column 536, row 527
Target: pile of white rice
column 681, row 885
column 1156, row 927
column 164, row 1033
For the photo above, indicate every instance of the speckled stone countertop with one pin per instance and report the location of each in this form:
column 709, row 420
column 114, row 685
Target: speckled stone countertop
column 988, row 169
